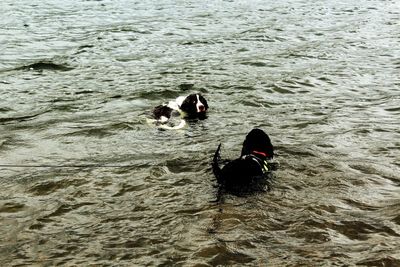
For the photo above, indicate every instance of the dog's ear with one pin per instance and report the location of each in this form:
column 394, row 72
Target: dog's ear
column 189, row 104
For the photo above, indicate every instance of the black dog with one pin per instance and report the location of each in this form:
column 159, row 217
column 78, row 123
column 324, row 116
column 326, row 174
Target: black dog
column 250, row 171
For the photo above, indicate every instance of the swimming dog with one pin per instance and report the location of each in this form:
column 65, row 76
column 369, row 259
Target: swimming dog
column 193, row 106
column 250, row 171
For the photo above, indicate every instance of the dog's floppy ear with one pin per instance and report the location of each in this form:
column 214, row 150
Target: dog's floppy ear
column 189, row 104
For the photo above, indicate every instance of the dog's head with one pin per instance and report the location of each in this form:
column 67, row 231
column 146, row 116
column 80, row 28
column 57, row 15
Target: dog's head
column 257, row 142
column 195, row 106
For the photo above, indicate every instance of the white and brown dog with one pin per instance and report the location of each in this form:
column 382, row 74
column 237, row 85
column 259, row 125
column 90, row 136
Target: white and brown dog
column 193, row 106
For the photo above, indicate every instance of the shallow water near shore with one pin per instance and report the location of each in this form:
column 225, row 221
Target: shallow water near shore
column 78, row 80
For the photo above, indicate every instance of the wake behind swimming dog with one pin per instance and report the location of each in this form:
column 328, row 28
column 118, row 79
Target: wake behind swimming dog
column 193, row 106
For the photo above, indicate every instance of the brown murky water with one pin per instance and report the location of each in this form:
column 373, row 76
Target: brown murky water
column 78, row 79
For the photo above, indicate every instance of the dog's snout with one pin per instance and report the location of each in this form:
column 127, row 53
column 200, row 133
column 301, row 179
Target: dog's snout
column 202, row 108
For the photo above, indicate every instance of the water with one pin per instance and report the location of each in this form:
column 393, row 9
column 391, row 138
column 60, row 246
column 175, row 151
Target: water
column 79, row 78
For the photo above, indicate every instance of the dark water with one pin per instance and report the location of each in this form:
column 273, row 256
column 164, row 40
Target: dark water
column 78, row 78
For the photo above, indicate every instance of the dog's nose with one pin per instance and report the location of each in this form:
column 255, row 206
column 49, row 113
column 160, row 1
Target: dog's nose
column 202, row 108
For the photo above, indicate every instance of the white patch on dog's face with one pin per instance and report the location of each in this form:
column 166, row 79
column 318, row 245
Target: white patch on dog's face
column 199, row 105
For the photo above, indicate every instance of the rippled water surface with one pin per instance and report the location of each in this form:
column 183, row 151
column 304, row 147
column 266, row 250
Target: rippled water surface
column 79, row 78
